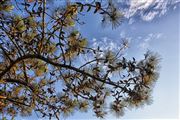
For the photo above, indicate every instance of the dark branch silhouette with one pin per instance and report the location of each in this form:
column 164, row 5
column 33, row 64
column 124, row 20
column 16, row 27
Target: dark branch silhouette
column 40, row 67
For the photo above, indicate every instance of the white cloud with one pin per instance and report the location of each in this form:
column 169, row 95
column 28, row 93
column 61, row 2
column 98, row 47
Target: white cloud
column 136, row 5
column 149, row 16
column 105, row 44
column 147, row 10
column 146, row 41
column 141, row 4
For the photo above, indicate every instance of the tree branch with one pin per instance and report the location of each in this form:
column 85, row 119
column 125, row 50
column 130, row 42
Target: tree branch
column 47, row 60
column 19, row 82
column 16, row 102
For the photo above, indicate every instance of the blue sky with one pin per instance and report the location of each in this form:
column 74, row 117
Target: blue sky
column 159, row 34
column 153, row 25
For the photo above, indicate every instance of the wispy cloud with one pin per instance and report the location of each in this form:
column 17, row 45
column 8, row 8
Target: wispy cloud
column 147, row 10
column 105, row 43
column 146, row 41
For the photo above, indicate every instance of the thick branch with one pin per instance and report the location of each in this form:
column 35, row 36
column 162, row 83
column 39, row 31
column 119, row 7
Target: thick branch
column 17, row 102
column 47, row 60
column 19, row 82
